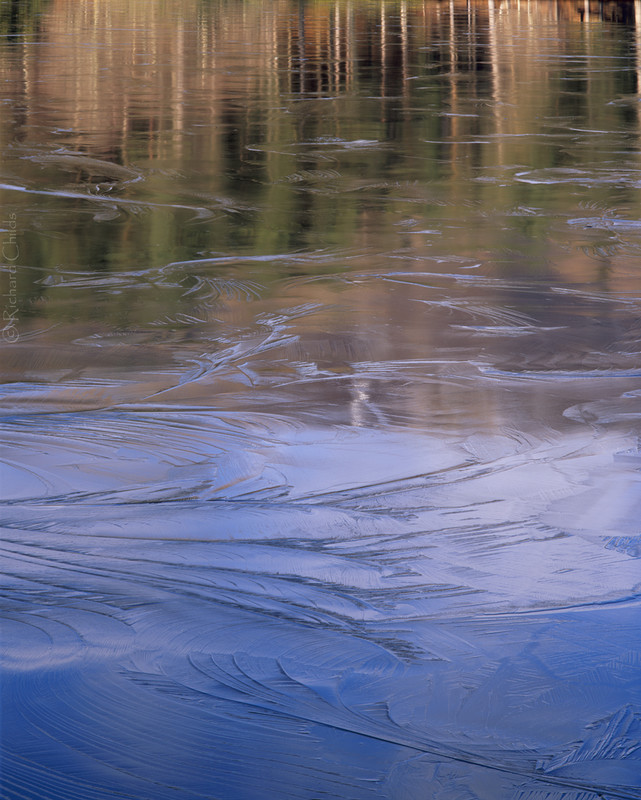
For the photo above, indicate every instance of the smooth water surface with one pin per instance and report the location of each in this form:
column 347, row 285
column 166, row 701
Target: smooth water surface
column 321, row 400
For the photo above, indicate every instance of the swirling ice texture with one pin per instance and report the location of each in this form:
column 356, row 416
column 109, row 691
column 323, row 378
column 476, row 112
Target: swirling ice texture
column 348, row 520
column 298, row 591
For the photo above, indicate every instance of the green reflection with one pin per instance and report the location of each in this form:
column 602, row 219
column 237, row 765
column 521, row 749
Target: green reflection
column 19, row 17
column 372, row 131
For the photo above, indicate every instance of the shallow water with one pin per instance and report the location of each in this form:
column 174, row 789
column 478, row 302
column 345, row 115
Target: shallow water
column 321, row 400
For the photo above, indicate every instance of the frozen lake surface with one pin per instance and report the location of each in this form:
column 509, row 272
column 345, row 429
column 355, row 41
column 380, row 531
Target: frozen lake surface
column 321, row 400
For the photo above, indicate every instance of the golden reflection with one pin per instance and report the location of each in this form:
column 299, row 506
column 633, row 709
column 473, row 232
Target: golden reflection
column 468, row 92
column 112, row 69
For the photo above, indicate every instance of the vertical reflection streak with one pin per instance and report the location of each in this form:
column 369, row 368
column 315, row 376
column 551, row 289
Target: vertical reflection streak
column 496, row 78
column 347, row 36
column 404, row 46
column 336, row 47
column 178, row 91
column 637, row 32
column 383, row 51
column 302, row 49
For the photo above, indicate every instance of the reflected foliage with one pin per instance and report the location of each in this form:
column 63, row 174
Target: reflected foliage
column 19, row 17
column 251, row 129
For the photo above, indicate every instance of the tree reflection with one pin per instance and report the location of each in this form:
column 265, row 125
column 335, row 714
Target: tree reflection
column 18, row 17
column 306, row 125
